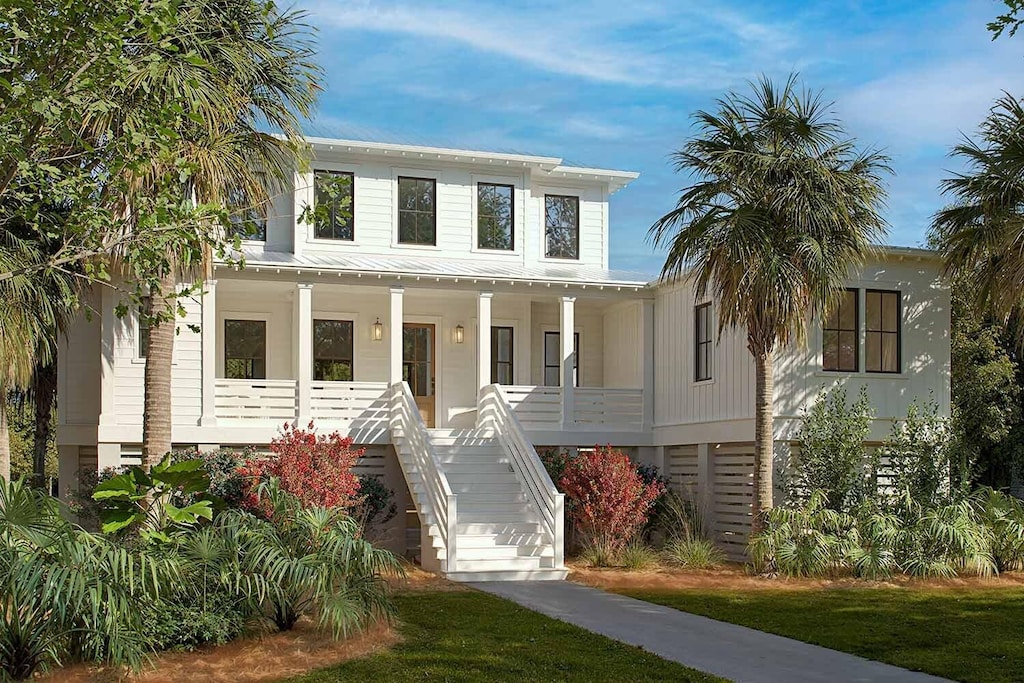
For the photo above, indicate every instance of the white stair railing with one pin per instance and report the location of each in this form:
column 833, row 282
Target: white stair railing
column 494, row 410
column 441, row 502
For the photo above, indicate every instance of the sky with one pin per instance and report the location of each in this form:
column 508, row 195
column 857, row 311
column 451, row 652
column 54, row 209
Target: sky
column 615, row 84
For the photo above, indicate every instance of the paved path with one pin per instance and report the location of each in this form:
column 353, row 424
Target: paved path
column 735, row 652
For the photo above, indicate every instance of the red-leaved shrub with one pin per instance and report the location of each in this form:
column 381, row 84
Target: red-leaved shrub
column 315, row 468
column 609, row 501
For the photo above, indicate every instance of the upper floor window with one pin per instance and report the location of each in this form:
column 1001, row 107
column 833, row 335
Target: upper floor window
column 702, row 342
column 502, row 345
column 561, row 226
column 333, row 200
column 247, row 220
column 552, row 359
column 882, row 340
column 245, row 349
column 494, row 216
column 417, row 211
column 332, row 350
column 840, row 344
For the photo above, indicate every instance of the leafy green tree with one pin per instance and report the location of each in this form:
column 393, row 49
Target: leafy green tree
column 1008, row 22
column 782, row 208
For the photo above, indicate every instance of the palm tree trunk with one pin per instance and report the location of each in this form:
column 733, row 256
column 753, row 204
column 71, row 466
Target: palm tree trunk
column 44, row 393
column 5, row 437
column 156, row 418
column 764, row 428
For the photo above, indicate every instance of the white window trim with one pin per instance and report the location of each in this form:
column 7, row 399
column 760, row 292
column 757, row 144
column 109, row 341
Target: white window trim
column 542, row 222
column 442, row 344
column 714, row 343
column 518, row 214
column 310, row 233
column 357, row 338
column 436, row 176
column 222, row 337
column 904, row 288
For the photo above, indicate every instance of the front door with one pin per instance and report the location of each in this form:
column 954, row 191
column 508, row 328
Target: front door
column 418, row 366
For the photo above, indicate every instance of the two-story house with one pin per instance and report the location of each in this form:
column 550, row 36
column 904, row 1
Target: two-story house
column 463, row 314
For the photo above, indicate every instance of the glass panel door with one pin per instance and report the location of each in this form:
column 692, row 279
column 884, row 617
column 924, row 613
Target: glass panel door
column 418, row 366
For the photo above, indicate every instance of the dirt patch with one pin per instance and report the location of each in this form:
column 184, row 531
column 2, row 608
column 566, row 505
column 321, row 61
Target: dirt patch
column 248, row 660
column 737, row 578
column 418, row 580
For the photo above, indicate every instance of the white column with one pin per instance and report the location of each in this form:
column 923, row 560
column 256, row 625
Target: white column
column 395, row 335
column 483, row 326
column 567, row 326
column 108, row 338
column 304, row 350
column 647, row 320
column 209, row 359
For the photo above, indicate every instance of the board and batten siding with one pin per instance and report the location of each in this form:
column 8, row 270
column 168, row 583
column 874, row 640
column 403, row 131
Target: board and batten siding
column 624, row 346
column 590, row 326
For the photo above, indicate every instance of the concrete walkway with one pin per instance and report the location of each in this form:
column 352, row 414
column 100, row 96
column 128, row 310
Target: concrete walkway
column 735, row 652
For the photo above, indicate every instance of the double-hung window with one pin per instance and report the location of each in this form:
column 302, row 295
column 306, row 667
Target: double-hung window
column 841, row 335
column 561, row 226
column 502, row 352
column 417, row 211
column 332, row 351
column 553, row 362
column 248, row 221
column 882, row 340
column 245, row 349
column 495, row 216
column 702, row 342
column 333, row 205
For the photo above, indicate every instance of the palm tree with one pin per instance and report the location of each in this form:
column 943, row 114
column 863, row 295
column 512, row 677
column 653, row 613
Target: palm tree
column 981, row 234
column 241, row 67
column 782, row 207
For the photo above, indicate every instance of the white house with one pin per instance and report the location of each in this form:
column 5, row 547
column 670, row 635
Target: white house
column 464, row 315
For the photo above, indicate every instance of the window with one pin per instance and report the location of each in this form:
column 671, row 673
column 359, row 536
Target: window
column 552, row 362
column 502, row 346
column 332, row 350
column 143, row 340
column 561, row 226
column 417, row 211
column 247, row 220
column 245, row 349
column 840, row 346
column 333, row 202
column 494, row 216
column 702, row 342
column 882, row 341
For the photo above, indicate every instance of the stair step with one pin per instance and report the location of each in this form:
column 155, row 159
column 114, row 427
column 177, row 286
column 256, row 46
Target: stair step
column 487, row 517
column 510, row 575
column 521, row 527
column 498, row 507
column 494, row 552
column 499, row 564
column 475, row 496
column 487, row 540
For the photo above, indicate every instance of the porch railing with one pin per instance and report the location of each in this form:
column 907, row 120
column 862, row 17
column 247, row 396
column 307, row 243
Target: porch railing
column 359, row 404
column 535, row 407
column 249, row 399
column 540, row 408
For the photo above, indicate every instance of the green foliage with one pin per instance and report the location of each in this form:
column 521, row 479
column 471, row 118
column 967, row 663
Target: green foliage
column 1010, row 22
column 677, row 517
column 1003, row 517
column 376, row 503
column 693, row 553
column 555, row 461
column 809, row 540
column 227, row 483
column 149, row 500
column 917, row 455
column 598, row 555
column 832, row 457
column 637, row 556
column 175, row 625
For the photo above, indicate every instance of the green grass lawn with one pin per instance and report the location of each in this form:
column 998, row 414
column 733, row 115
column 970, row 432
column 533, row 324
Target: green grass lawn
column 968, row 635
column 471, row 636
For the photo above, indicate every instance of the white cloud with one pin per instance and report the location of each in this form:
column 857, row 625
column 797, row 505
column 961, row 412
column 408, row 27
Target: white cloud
column 586, row 126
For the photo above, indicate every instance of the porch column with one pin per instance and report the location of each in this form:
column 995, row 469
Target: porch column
column 304, row 353
column 209, row 359
column 108, row 339
column 647, row 320
column 483, row 326
column 567, row 326
column 395, row 335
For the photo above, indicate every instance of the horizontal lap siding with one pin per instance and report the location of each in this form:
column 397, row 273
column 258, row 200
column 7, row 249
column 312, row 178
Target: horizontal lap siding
column 681, row 462
column 732, row 482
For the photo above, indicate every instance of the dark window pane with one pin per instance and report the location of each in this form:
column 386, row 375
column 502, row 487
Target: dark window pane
column 332, row 350
column 494, row 216
column 873, row 310
column 248, row 219
column 883, row 330
column 889, row 353
column 245, row 349
column 561, row 226
column 552, row 358
column 501, row 355
column 417, row 216
column 334, row 198
column 840, row 335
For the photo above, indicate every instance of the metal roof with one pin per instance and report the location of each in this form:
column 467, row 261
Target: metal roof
column 441, row 268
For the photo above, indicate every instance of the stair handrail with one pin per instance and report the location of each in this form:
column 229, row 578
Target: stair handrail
column 406, row 416
column 494, row 409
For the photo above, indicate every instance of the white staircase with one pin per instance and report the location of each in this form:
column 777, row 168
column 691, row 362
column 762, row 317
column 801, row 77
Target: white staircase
column 481, row 517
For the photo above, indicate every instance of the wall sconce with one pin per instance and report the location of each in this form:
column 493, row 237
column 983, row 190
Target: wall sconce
column 378, row 331
column 460, row 334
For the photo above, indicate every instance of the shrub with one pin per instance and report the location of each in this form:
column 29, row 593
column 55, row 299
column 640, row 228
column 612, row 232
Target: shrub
column 555, row 461
column 1003, row 516
column 810, row 540
column 693, row 553
column 315, row 468
column 175, row 624
column 635, row 555
column 376, row 503
column 916, row 455
column 610, row 503
column 832, row 458
column 223, row 467
column 678, row 517
column 597, row 556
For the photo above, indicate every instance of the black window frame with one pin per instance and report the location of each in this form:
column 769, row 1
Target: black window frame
column 418, row 212
column 511, row 216
column 882, row 333
column 245, row 217
column 548, row 226
column 334, row 219
column 350, row 358
column 252, row 367
column 839, row 331
column 702, row 346
column 558, row 366
column 496, row 363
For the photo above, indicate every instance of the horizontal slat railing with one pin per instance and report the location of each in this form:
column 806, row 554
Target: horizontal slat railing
column 442, row 503
column 256, row 399
column 609, row 408
column 535, row 407
column 358, row 404
column 494, row 410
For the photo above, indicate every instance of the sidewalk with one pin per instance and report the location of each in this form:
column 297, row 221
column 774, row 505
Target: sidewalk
column 740, row 654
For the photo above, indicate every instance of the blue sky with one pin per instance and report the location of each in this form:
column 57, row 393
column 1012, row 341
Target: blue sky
column 613, row 84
